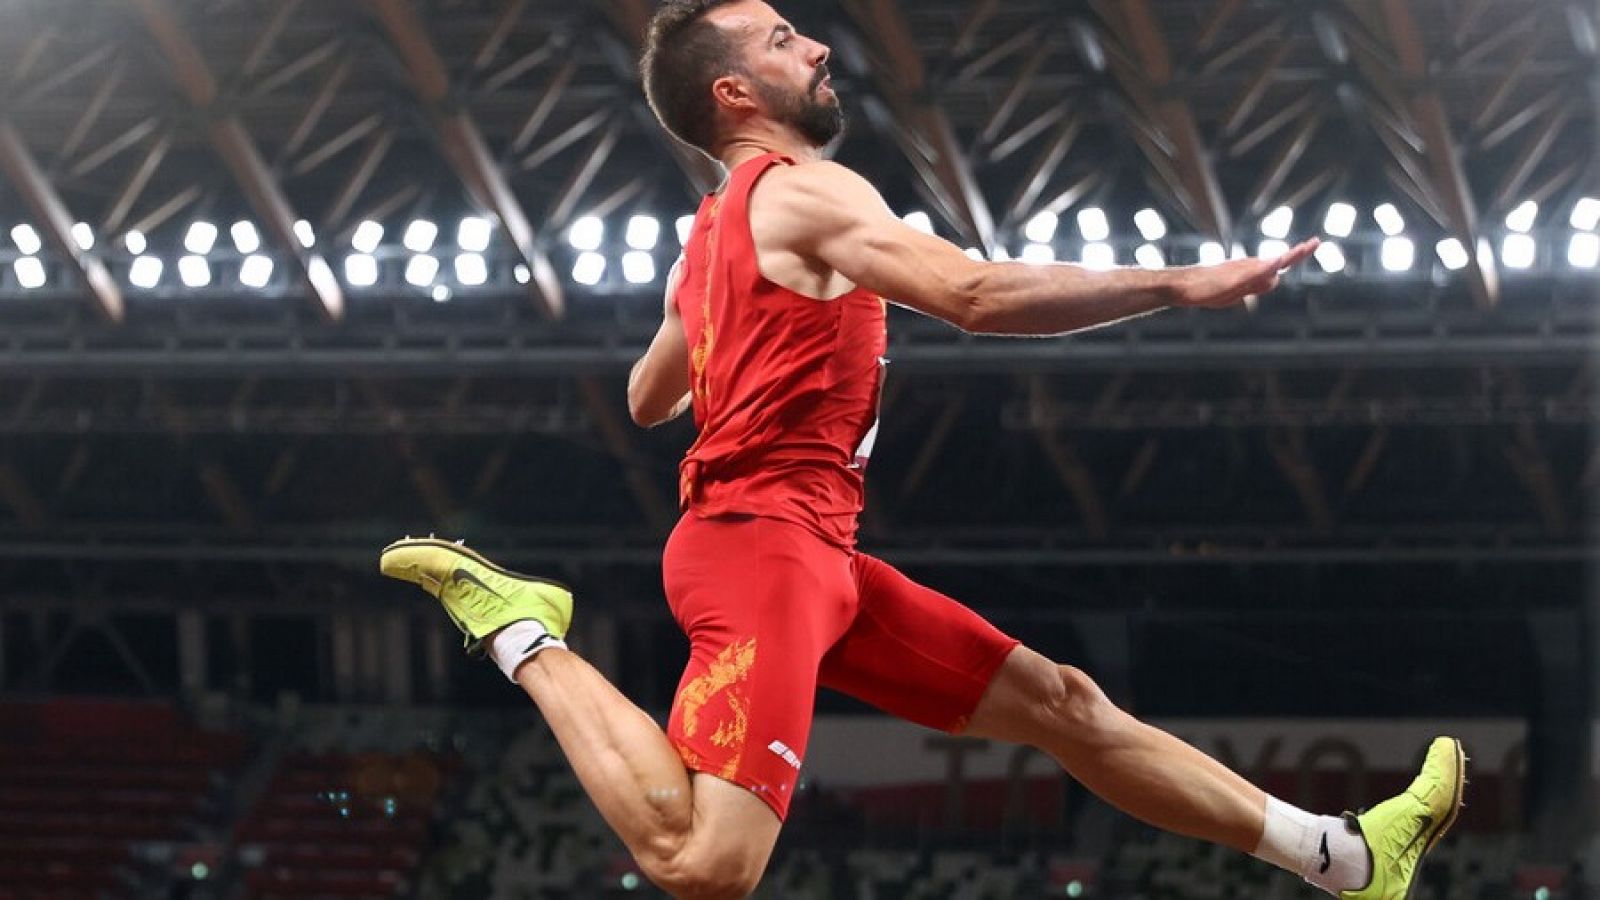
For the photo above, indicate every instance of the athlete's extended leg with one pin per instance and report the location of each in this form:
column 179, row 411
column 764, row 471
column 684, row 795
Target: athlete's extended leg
column 696, row 837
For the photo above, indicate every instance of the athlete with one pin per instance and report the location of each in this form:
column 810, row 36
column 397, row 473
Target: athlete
column 774, row 334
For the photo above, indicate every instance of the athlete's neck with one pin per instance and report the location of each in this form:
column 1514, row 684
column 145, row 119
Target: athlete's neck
column 744, row 147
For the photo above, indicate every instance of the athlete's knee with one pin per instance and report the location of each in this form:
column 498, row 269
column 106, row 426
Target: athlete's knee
column 703, row 870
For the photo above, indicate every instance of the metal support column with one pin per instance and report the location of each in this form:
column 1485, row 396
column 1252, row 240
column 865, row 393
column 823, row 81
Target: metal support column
column 191, row 628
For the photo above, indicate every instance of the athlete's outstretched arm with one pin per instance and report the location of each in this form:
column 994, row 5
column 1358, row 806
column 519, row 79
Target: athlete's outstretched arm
column 826, row 212
column 658, row 386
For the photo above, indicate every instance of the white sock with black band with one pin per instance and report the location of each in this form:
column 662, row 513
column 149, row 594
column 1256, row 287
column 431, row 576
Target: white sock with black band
column 1321, row 849
column 519, row 642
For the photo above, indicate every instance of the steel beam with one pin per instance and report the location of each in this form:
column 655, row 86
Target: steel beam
column 228, row 137
column 465, row 148
column 51, row 214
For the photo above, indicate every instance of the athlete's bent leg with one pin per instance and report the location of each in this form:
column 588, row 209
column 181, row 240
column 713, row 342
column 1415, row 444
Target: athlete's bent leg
column 696, row 839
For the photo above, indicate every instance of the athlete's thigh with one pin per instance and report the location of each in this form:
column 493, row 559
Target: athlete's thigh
column 914, row 652
column 761, row 602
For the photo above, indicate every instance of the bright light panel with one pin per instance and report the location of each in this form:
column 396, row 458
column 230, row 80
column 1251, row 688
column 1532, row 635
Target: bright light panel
column 1340, row 220
column 1150, row 224
column 522, row 274
column 1092, row 224
column 194, row 271
column 1277, row 223
column 471, row 269
column 974, row 253
column 145, row 272
column 920, row 221
column 587, row 234
column 638, row 267
column 1041, row 229
column 1584, row 251
column 1453, row 254
column 1099, row 256
column 26, row 239
column 421, row 270
column 1212, row 253
column 1389, row 219
column 246, row 239
column 1518, row 251
column 1586, row 214
column 473, row 234
column 1398, row 254
column 643, row 233
column 83, row 236
column 199, row 240
column 1038, row 254
column 589, row 268
column 420, row 235
column 1271, row 249
column 135, row 242
column 1150, row 256
column 30, row 272
column 256, row 271
column 367, row 237
column 684, row 226
column 441, row 294
column 1522, row 218
column 361, row 270
column 1330, row 257
column 305, row 234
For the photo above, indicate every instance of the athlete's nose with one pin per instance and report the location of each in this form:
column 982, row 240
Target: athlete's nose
column 820, row 53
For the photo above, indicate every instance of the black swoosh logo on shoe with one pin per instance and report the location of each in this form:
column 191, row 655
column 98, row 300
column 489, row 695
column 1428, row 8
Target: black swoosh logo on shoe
column 460, row 575
column 1327, row 858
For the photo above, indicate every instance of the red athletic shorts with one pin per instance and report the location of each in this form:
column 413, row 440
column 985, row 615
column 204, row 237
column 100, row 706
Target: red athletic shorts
column 771, row 611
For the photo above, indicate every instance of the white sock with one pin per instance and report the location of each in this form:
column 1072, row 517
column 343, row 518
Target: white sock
column 1321, row 849
column 519, row 642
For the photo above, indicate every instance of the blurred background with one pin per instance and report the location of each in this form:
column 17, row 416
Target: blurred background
column 284, row 280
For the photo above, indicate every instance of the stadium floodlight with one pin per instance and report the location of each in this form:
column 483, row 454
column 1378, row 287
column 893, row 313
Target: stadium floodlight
column 919, row 220
column 361, row 270
column 255, row 271
column 589, row 268
column 1277, row 223
column 1585, row 214
column 1041, row 229
column 1150, row 224
column 194, row 271
column 1340, row 220
column 1093, row 225
column 1271, row 249
column 145, row 272
column 973, row 253
column 368, row 235
column 1452, row 253
column 441, row 293
column 1398, row 254
column 522, row 274
column 30, row 272
column 1150, row 257
column 1389, row 219
column 473, row 234
column 305, row 234
column 643, row 232
column 1518, row 251
column 471, row 269
column 135, row 242
column 1584, row 250
column 638, row 267
column 26, row 239
column 420, row 235
column 1522, row 218
column 1330, row 257
column 999, row 254
column 1099, row 256
column 246, row 239
column 1212, row 253
column 587, row 234
column 421, row 270
column 199, row 240
column 83, row 236
column 1038, row 254
column 684, row 226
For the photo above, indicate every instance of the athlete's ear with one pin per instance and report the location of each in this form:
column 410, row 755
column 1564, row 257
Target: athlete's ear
column 732, row 93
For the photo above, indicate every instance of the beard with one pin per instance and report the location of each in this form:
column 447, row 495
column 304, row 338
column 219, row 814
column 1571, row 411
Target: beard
column 817, row 120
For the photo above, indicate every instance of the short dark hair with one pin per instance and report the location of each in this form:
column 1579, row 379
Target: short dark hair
column 683, row 56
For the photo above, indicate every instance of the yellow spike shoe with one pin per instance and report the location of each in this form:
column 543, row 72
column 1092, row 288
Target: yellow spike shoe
column 1400, row 831
column 479, row 596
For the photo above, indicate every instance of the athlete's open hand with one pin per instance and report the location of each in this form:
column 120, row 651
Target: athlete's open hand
column 1228, row 284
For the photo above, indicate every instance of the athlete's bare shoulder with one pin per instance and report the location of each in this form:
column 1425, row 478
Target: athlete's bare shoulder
column 809, row 201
